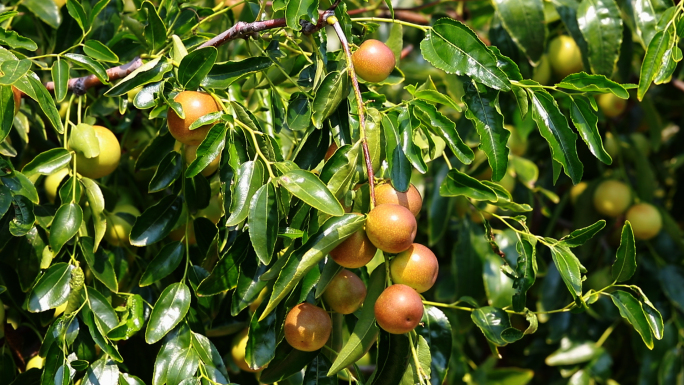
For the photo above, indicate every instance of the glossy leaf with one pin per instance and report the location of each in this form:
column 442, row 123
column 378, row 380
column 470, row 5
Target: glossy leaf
column 169, row 170
column 195, row 66
column 457, row 183
column 102, row 372
column 155, row 31
column 581, row 236
column 333, row 232
column 263, row 222
column 99, row 264
column 34, row 89
column 225, row 274
column 309, row 188
column 249, row 285
column 394, row 354
column 183, row 366
column 89, row 64
column 13, row 70
column 495, row 325
column 436, row 331
column 526, row 271
column 170, row 309
column 572, row 353
column 99, row 51
column 156, row 222
column 554, row 128
column 332, row 91
column 262, row 338
column 24, row 216
column 46, row 11
column 97, row 206
column 569, row 268
column 524, row 21
column 625, row 263
column 631, row 310
column 150, row 72
column 163, row 264
column 6, row 111
column 299, row 112
column 249, row 180
column 316, row 372
column 52, row 289
column 598, row 83
column 287, row 362
column 453, row 47
column 60, row 76
column 585, row 120
column 657, row 49
column 208, row 150
column 444, row 128
column 65, row 225
column 601, row 25
column 224, row 74
column 646, row 15
column 295, row 9
column 483, row 111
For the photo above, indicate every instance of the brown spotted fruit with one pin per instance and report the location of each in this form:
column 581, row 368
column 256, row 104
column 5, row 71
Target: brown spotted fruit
column 345, row 293
column 410, row 199
column 416, row 267
column 307, row 327
column 398, row 309
column 391, row 228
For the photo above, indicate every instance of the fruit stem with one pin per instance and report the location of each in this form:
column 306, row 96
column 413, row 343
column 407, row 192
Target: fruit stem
column 332, row 20
column 256, row 147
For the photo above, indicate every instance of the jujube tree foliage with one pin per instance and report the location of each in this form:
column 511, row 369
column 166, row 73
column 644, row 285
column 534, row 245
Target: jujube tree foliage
column 306, row 192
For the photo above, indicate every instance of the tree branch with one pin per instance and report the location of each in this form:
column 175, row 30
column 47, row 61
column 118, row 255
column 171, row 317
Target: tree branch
column 79, row 86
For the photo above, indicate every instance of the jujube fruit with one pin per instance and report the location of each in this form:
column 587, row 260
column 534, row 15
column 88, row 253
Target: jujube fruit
column 195, row 105
column 416, row 267
column 355, row 251
column 611, row 105
column 191, row 154
column 391, row 228
column 577, row 190
column 307, row 327
column 542, row 73
column 238, row 349
column 345, row 293
column 398, row 309
column 646, row 220
column 52, row 183
column 373, row 61
column 612, row 198
column 565, row 56
column 108, row 159
column 118, row 228
column 410, row 199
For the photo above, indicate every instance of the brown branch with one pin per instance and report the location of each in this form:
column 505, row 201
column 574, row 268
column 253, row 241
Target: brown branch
column 678, row 83
column 79, row 86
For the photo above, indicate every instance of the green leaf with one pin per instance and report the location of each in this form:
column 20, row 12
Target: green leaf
column 333, row 232
column 419, row 367
column 169, row 170
column 97, row 206
column 195, row 66
column 52, row 288
column 46, row 11
column 584, row 82
column 573, row 353
column 76, row 11
column 225, row 275
column 601, row 25
column 208, row 150
column 249, row 285
column 299, row 112
column 581, row 236
column 483, row 111
column 250, row 177
column 656, row 51
column 60, row 76
column 436, row 331
column 339, row 171
column 495, row 325
column 315, row 373
column 653, row 316
column 224, row 74
column 103, row 371
column 569, row 268
column 24, row 217
column 98, row 51
column 433, row 96
column 65, row 225
column 585, row 120
column 625, row 262
column 524, row 21
column 103, row 312
column 453, row 47
column 163, row 264
column 263, row 222
column 99, row 264
column 526, row 271
column 443, row 127
column 365, row 330
column 156, row 222
column 457, row 183
column 150, row 72
column 394, row 355
column 554, row 128
column 89, row 64
column 13, row 40
column 184, row 365
column 262, row 338
column 307, row 187
column 84, row 140
column 287, row 362
column 12, row 70
column 21, row 185
column 671, row 279
column 155, row 31
column 332, row 91
column 401, row 125
column 631, row 310
column 6, row 111
column 47, row 162
column 399, row 165
column 132, row 319
column 33, row 88
column 295, row 9
column 169, row 310
column 646, row 16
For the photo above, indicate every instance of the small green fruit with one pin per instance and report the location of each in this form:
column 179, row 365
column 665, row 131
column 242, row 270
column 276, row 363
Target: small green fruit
column 646, row 220
column 612, row 198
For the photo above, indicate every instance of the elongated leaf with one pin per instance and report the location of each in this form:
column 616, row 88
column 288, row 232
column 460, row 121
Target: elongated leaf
column 593, row 83
column 524, row 21
column 299, row 112
column 52, row 289
column 307, row 187
column 14, row 40
column 365, row 330
column 99, row 264
column 483, row 111
column 249, row 179
column 155, row 31
column 332, row 91
column 394, row 355
column 631, row 310
column 150, row 72
column 453, row 47
column 60, row 76
column 653, row 60
column 156, row 222
column 554, row 128
column 183, row 366
column 625, row 262
column 46, row 11
column 646, row 16
column 263, row 336
column 65, row 225
column 224, row 74
column 287, row 362
column 526, row 271
column 170, row 168
column 436, row 331
column 6, row 111
column 601, row 25
column 47, row 162
column 33, row 88
column 99, row 51
column 97, row 206
column 333, row 232
column 569, row 268
column 295, row 9
column 89, row 64
column 585, row 120
column 13, row 70
column 102, row 372
column 263, row 222
column 195, row 66
column 249, row 285
column 208, row 150
column 169, row 310
column 225, row 275
column 433, row 96
column 495, row 325
column 77, row 11
column 444, row 128
column 457, row 183
column 581, row 236
column 163, row 264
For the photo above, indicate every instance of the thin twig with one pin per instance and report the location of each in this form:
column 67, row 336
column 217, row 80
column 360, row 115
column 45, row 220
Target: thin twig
column 79, row 86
